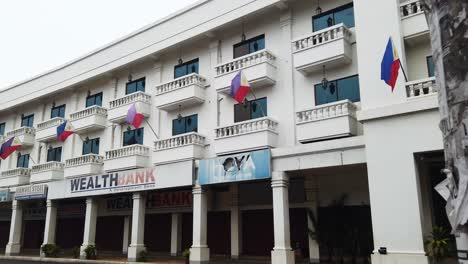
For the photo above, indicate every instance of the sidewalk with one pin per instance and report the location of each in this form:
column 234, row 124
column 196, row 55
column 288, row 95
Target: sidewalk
column 28, row 259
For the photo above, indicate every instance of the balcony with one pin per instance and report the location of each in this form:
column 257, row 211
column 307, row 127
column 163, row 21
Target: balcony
column 413, row 20
column 259, row 68
column 188, row 146
column 118, row 108
column 47, row 131
column 49, row 171
column 27, row 135
column 129, row 157
column 15, row 177
column 421, row 88
column 185, row 91
column 90, row 119
column 249, row 135
column 330, row 47
column 327, row 121
column 85, row 165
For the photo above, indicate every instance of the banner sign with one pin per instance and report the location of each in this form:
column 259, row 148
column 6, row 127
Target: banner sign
column 153, row 200
column 5, row 196
column 38, row 191
column 252, row 165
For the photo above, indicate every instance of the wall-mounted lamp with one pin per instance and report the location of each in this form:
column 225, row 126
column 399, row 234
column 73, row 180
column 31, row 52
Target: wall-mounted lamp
column 129, row 128
column 324, row 80
column 318, row 10
column 179, row 116
column 130, row 77
column 89, row 93
column 86, row 139
column 53, row 104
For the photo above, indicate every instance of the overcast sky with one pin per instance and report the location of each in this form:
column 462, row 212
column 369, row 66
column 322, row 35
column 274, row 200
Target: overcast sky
column 38, row 35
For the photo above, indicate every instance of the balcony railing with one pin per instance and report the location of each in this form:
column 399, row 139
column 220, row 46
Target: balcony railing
column 127, row 151
column 420, row 88
column 179, row 141
column 321, row 112
column 246, row 127
column 244, row 62
column 191, row 79
column 49, row 166
column 16, row 172
column 93, row 110
column 321, row 37
column 84, row 160
column 411, row 8
column 54, row 122
column 22, row 131
column 131, row 98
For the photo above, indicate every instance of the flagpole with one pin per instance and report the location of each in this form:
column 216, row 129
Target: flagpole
column 151, row 129
column 403, row 70
column 32, row 160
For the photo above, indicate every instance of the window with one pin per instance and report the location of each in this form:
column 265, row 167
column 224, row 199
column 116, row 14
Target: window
column 185, row 125
column 186, row 68
column 95, row 99
column 58, row 111
column 2, row 129
column 23, row 161
column 133, row 137
column 250, row 110
column 54, row 154
column 337, row 90
column 91, row 146
column 249, row 46
column 343, row 14
column 135, row 86
column 27, row 121
column 430, row 66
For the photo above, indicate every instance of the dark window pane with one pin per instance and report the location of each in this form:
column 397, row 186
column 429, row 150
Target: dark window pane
column 2, row 129
column 58, row 111
column 430, row 66
column 140, row 85
column 180, row 71
column 27, row 121
column 349, row 89
column 325, row 96
column 322, row 22
column 257, row 45
column 192, row 67
column 178, row 126
column 185, row 125
column 345, row 16
column 250, row 110
column 241, row 50
column 258, row 108
column 241, row 112
column 86, row 147
column 95, row 99
column 23, row 161
column 133, row 137
column 191, row 123
column 186, row 68
column 135, row 86
column 91, row 146
column 54, row 154
column 131, row 88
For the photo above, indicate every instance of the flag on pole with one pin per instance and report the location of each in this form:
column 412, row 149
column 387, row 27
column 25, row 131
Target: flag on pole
column 134, row 117
column 390, row 65
column 10, row 146
column 240, row 87
column 64, row 131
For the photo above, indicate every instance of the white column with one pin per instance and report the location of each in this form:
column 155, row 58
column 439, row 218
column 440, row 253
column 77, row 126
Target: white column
column 199, row 253
column 236, row 223
column 14, row 242
column 118, row 136
column 311, row 189
column 138, row 226
column 176, row 234
column 282, row 252
column 126, row 234
column 50, row 223
column 89, row 235
column 462, row 246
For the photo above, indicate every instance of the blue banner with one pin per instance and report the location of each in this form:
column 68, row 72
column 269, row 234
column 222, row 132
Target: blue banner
column 247, row 166
column 5, row 196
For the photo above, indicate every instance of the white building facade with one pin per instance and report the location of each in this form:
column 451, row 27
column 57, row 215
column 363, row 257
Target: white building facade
column 343, row 154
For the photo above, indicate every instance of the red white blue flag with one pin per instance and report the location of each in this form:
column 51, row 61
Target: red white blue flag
column 240, row 87
column 10, row 146
column 64, row 131
column 134, row 117
column 390, row 66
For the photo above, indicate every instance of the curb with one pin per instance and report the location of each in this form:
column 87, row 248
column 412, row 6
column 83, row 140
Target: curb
column 65, row 260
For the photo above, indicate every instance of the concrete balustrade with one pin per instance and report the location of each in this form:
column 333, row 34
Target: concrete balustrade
column 27, row 135
column 89, row 119
column 419, row 88
column 118, row 108
column 47, row 131
column 14, row 177
column 49, row 171
column 128, row 157
column 185, row 91
column 85, row 165
column 188, row 146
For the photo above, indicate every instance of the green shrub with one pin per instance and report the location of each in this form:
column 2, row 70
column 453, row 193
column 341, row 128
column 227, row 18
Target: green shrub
column 50, row 250
column 76, row 252
column 186, row 253
column 437, row 243
column 90, row 252
column 142, row 256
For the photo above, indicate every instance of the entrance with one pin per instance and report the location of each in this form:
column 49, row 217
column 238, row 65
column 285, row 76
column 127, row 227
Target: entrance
column 109, row 233
column 219, row 233
column 4, row 233
column 158, row 232
column 257, row 232
column 299, row 231
column 33, row 234
column 187, row 230
column 69, row 232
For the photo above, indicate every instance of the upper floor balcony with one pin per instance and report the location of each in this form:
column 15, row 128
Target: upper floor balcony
column 259, row 68
column 85, row 165
column 421, row 88
column 45, row 172
column 181, row 92
column 90, row 119
column 330, row 47
column 15, row 177
column 27, row 135
column 118, row 108
column 128, row 157
column 183, row 147
column 47, row 131
column 248, row 135
column 413, row 20
column 333, row 120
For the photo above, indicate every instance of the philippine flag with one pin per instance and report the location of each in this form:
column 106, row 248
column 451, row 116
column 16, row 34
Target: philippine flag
column 390, row 66
column 10, row 146
column 240, row 87
column 64, row 131
column 134, row 117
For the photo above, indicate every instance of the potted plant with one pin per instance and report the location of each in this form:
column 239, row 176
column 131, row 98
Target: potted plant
column 76, row 252
column 90, row 252
column 186, row 255
column 437, row 244
column 142, row 256
column 50, row 250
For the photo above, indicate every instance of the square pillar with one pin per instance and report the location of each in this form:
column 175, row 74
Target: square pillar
column 138, row 227
column 282, row 252
column 311, row 189
column 14, row 242
column 89, row 235
column 236, row 224
column 199, row 253
column 126, row 234
column 176, row 234
column 50, row 224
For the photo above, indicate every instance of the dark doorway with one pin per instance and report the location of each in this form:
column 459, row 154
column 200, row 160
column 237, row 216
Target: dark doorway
column 109, row 233
column 219, row 233
column 187, row 230
column 69, row 232
column 4, row 233
column 158, row 232
column 33, row 234
column 299, row 231
column 257, row 232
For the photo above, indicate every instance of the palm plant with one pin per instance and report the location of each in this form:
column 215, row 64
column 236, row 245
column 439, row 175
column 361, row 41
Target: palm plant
column 437, row 243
